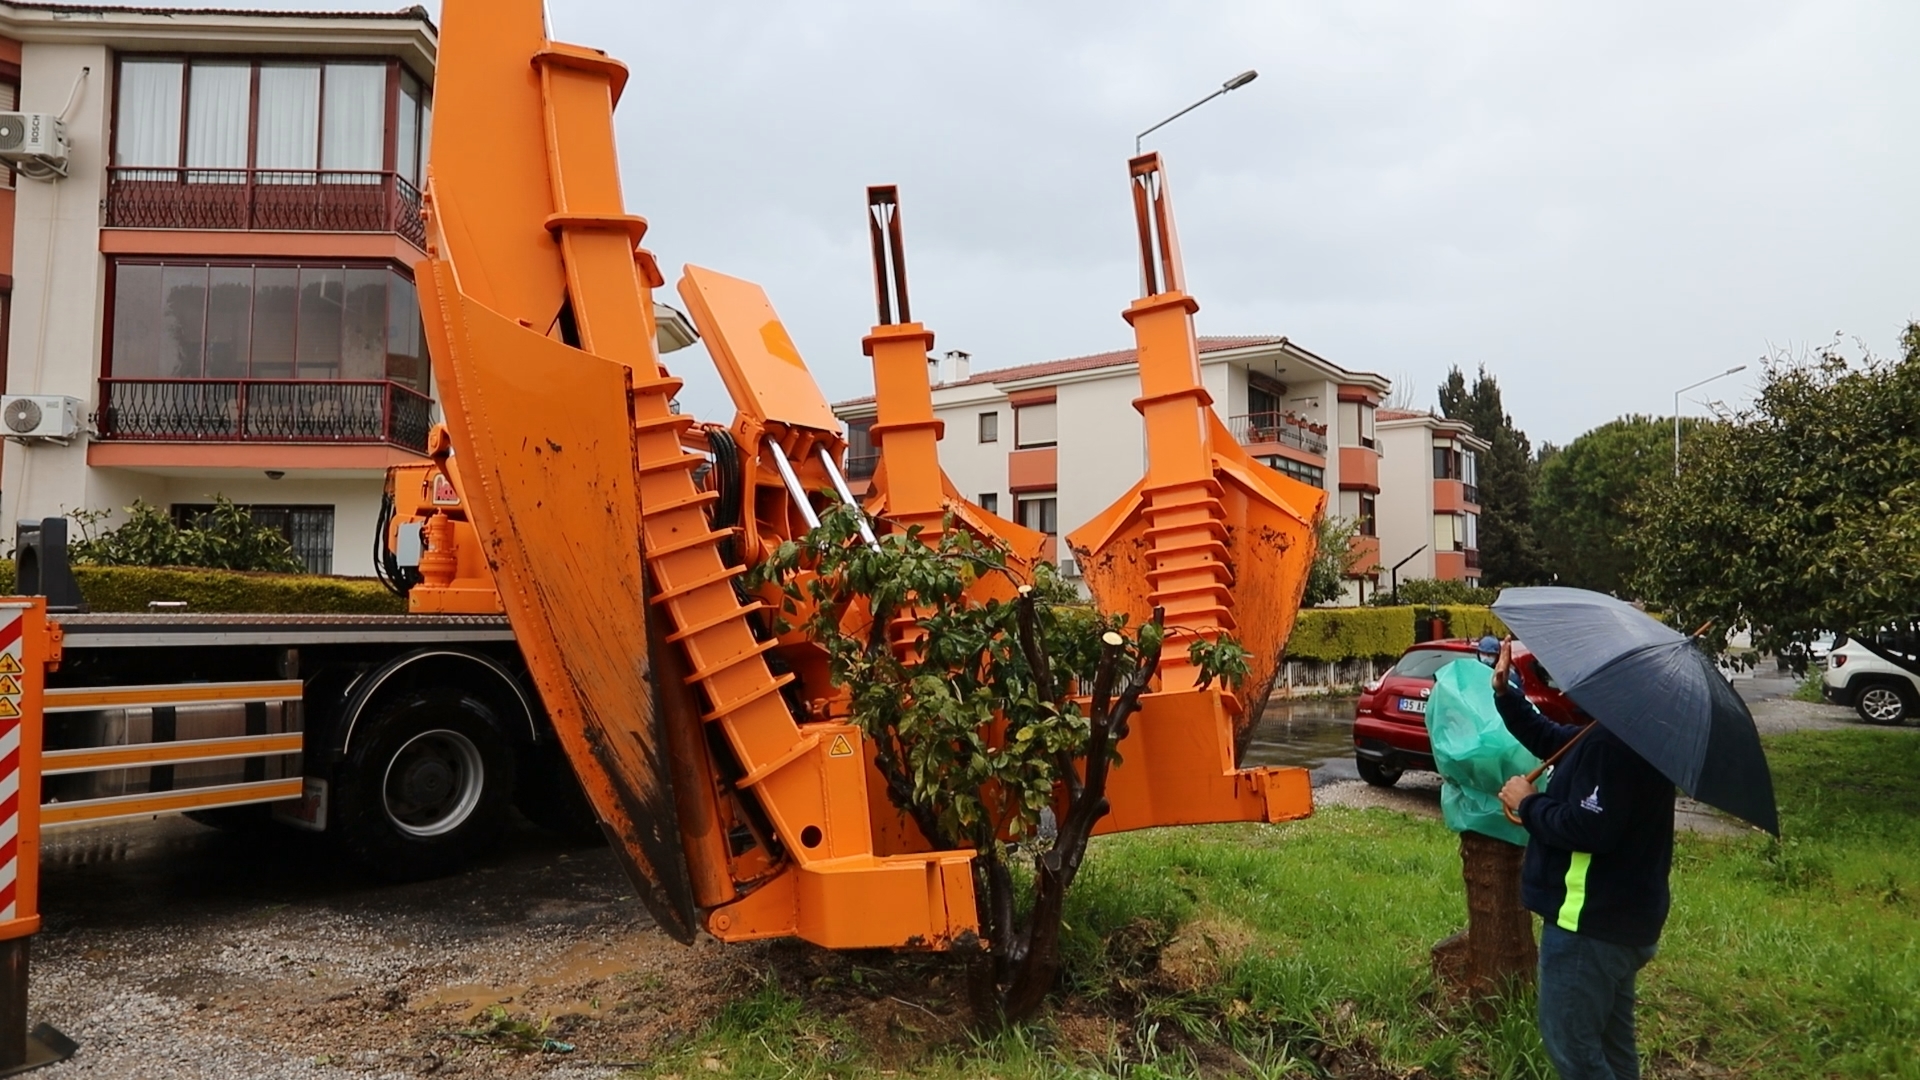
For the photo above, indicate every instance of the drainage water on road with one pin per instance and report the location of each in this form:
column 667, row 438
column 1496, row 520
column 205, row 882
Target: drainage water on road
column 1313, row 733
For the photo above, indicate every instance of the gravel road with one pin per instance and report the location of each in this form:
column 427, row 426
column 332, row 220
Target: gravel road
column 171, row 950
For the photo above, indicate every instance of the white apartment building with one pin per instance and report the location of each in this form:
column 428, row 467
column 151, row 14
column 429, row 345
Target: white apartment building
column 222, row 283
column 1052, row 444
column 1431, row 519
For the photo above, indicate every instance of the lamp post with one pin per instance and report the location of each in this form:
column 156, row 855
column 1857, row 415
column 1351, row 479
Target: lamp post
column 1393, row 575
column 1234, row 83
column 1676, row 409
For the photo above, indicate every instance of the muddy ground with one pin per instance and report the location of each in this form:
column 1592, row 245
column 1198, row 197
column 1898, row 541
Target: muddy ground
column 171, row 950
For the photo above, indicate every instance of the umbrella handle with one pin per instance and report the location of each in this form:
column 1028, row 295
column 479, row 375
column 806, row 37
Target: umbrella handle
column 1543, row 766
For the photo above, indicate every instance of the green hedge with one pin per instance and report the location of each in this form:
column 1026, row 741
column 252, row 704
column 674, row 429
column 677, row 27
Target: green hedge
column 1331, row 634
column 129, row 588
column 1334, row 634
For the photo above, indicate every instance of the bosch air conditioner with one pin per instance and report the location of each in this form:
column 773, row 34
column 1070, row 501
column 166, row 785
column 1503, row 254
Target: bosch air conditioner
column 35, row 144
column 39, row 416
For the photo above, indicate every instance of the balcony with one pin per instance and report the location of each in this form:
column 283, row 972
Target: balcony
column 1473, row 558
column 264, row 411
column 1286, row 429
column 276, row 200
column 861, row 466
column 1471, row 493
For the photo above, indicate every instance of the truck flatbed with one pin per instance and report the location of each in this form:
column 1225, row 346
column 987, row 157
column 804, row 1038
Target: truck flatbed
column 149, row 630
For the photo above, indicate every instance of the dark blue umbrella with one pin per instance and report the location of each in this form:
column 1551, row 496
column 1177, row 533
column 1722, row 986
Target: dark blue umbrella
column 1654, row 688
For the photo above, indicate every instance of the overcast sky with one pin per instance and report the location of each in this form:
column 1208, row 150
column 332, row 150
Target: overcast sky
column 1599, row 205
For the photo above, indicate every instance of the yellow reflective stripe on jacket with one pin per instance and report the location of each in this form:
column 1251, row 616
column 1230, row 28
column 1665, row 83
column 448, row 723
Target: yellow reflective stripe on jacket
column 1576, row 892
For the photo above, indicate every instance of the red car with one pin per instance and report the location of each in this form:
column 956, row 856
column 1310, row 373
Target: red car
column 1389, row 721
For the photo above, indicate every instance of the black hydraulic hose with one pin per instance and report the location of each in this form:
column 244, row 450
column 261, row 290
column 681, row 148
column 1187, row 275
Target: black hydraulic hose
column 729, row 482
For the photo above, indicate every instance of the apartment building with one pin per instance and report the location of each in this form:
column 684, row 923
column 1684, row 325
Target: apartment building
column 222, row 281
column 1431, row 518
column 1052, row 444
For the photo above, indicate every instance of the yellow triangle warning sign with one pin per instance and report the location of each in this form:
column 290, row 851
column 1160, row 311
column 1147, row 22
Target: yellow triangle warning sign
column 8, row 685
column 8, row 710
column 842, row 747
column 9, row 664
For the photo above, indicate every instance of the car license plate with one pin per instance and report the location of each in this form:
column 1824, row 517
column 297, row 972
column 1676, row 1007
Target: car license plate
column 1412, row 705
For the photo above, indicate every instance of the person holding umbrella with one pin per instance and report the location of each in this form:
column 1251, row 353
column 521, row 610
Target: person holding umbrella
column 1600, row 837
column 1599, row 848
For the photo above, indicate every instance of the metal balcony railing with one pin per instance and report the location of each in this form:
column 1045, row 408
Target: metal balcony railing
column 1251, row 429
column 861, row 466
column 1471, row 493
column 264, row 410
column 1473, row 558
column 286, row 200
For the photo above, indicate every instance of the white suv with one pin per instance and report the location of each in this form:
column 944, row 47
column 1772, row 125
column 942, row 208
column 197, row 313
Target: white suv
column 1882, row 693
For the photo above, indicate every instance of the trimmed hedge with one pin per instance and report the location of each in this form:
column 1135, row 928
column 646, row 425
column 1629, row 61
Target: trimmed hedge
column 1331, row 635
column 130, row 588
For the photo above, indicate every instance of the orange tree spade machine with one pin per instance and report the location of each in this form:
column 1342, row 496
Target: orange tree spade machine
column 710, row 743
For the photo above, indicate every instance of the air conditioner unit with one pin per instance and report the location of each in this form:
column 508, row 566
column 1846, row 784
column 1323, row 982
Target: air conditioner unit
column 39, row 416
column 35, row 144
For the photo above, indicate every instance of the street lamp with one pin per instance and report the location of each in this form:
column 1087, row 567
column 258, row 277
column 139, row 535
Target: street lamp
column 1234, row 83
column 1676, row 409
column 1393, row 575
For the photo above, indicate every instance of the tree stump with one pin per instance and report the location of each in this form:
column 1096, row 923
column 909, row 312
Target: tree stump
column 1496, row 951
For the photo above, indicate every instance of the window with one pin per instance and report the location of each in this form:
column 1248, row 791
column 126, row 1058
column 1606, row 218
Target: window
column 308, row 528
column 989, row 427
column 296, row 121
column 862, row 456
column 1039, row 513
column 1034, row 425
column 1299, row 470
column 1366, row 521
column 1447, row 461
column 1471, row 535
column 1264, row 396
column 1358, row 506
column 989, row 501
column 1356, row 424
column 252, row 321
column 1449, row 532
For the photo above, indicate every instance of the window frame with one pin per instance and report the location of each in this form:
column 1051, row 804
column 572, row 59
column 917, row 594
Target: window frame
column 989, row 426
column 183, row 514
column 1051, row 499
column 111, row 302
column 390, row 113
column 1020, row 442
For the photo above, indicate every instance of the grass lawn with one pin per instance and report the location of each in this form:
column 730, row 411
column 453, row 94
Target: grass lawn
column 1301, row 950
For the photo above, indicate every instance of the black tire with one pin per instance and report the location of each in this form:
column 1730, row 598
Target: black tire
column 1884, row 701
column 549, row 794
column 1377, row 773
column 426, row 787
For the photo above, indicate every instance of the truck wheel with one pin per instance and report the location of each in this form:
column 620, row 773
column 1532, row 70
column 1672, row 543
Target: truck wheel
column 426, row 788
column 550, row 795
column 1377, row 773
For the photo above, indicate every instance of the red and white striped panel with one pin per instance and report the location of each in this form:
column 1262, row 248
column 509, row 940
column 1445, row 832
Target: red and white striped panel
column 11, row 671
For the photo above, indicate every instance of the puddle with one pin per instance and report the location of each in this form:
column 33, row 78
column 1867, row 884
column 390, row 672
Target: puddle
column 1314, row 734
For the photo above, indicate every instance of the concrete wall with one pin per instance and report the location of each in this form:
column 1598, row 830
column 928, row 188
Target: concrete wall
column 976, row 468
column 59, row 286
column 1404, row 512
column 1103, row 446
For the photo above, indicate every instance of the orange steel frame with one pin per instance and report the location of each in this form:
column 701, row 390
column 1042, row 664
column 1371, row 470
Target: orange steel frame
column 736, row 801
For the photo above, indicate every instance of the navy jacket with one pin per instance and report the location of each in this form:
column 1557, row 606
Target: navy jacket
column 1600, row 837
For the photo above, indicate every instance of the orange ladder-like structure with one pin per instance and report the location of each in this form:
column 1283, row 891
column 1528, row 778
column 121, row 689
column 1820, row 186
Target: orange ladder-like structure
column 537, row 299
column 1218, row 542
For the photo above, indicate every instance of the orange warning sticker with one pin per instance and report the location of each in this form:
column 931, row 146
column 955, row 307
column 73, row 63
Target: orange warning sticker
column 842, row 747
column 8, row 710
column 9, row 664
column 8, row 685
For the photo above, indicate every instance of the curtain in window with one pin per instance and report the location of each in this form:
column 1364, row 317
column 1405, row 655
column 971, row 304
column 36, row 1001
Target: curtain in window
column 219, row 100
column 289, row 136
column 148, row 131
column 353, row 121
column 407, row 144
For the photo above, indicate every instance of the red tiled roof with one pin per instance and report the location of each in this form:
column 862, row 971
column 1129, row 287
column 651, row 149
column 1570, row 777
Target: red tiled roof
column 1398, row 414
column 1073, row 364
column 415, row 12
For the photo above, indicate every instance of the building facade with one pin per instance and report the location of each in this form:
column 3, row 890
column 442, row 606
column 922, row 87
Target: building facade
column 1430, row 516
column 1052, row 444
column 223, row 279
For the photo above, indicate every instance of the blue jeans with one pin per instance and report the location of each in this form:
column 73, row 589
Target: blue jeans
column 1586, row 1004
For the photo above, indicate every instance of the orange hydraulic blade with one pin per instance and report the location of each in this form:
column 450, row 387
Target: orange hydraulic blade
column 544, row 438
column 762, row 369
column 1217, row 542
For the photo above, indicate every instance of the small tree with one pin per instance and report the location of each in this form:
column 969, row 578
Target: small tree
column 971, row 707
column 1509, row 550
column 1333, row 560
column 1582, row 502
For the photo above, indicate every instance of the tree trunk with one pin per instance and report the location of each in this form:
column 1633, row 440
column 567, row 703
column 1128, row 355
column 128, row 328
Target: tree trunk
column 1496, row 951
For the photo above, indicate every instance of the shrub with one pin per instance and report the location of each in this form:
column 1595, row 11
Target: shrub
column 1435, row 592
column 1334, row 634
column 130, row 588
column 224, row 538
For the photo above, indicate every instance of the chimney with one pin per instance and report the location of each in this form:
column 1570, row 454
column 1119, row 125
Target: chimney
column 933, row 372
column 960, row 364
